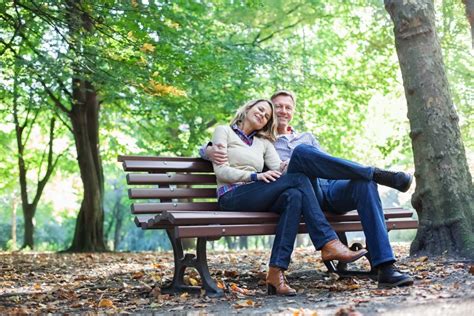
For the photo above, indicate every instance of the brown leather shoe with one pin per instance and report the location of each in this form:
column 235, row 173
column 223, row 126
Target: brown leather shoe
column 276, row 283
column 336, row 250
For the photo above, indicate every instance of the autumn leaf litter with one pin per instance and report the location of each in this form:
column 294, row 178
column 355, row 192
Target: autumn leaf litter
column 131, row 282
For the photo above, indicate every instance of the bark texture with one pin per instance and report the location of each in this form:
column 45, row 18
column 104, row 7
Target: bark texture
column 470, row 16
column 84, row 116
column 444, row 195
column 88, row 234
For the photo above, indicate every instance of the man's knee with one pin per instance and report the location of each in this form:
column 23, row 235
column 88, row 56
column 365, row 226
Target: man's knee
column 301, row 149
column 294, row 177
column 363, row 186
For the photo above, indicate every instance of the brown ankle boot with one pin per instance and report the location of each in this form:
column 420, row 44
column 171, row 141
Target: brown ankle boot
column 276, row 283
column 336, row 250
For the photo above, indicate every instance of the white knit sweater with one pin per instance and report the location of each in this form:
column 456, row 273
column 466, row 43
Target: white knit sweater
column 243, row 159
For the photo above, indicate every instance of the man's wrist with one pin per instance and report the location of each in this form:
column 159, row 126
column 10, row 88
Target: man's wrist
column 253, row 177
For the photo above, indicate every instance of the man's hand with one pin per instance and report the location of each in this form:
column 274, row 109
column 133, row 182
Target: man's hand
column 284, row 166
column 217, row 153
column 269, row 176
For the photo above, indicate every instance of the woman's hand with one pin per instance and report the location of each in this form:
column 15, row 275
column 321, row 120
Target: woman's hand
column 269, row 176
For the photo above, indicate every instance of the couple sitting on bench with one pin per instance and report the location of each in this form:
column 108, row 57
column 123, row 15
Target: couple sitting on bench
column 305, row 185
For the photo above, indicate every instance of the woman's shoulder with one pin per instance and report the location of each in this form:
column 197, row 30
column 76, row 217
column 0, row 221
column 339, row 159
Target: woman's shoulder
column 266, row 142
column 223, row 128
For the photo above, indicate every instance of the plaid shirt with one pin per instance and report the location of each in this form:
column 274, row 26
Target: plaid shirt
column 248, row 139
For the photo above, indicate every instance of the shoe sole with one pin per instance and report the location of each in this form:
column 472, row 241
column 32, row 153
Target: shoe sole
column 280, row 294
column 397, row 284
column 349, row 261
column 408, row 185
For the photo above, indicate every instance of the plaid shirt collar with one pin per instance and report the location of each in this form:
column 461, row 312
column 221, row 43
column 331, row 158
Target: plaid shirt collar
column 248, row 139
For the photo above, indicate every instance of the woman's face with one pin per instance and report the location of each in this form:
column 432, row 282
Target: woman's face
column 258, row 115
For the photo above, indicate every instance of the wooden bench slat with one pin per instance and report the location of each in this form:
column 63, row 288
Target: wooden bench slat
column 150, row 208
column 220, row 217
column 270, row 229
column 122, row 158
column 166, row 166
column 401, row 224
column 172, row 193
column 140, row 178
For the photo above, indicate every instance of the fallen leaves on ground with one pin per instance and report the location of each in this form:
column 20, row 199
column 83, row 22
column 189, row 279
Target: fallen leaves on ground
column 302, row 312
column 106, row 303
column 244, row 303
column 37, row 283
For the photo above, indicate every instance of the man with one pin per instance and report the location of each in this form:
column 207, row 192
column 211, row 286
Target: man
column 340, row 185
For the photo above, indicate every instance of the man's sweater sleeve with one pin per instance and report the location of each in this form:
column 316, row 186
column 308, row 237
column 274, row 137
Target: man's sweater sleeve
column 202, row 152
column 224, row 172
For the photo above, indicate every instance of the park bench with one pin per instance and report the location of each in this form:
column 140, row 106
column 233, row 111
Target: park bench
column 178, row 195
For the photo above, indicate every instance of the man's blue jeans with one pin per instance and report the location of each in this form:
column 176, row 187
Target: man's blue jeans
column 342, row 185
column 291, row 196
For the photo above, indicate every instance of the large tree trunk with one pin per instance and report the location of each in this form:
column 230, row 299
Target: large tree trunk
column 88, row 235
column 444, row 195
column 470, row 16
column 84, row 115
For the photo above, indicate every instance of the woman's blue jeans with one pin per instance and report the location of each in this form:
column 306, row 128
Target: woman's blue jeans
column 341, row 186
column 291, row 196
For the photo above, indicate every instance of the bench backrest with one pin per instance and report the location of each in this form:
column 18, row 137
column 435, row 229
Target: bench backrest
column 170, row 183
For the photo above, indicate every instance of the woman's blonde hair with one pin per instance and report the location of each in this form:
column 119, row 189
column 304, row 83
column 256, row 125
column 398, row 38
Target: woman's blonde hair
column 269, row 131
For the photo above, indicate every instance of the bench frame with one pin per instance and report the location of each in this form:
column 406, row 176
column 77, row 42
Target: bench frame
column 203, row 221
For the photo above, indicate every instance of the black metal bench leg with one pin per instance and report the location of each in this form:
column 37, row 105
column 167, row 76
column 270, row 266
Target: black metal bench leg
column 183, row 261
column 178, row 277
column 201, row 265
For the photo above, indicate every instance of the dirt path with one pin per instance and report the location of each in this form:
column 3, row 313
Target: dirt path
column 127, row 283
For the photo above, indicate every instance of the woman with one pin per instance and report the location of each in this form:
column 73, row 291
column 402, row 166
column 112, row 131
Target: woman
column 242, row 186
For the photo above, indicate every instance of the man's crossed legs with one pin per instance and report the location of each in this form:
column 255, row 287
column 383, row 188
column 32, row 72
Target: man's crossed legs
column 341, row 186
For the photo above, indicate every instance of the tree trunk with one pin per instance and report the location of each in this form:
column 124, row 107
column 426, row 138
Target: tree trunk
column 28, row 215
column 444, row 195
column 88, row 234
column 470, row 16
column 118, row 230
column 243, row 242
column 84, row 116
column 14, row 208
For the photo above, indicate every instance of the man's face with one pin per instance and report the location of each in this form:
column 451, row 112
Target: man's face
column 284, row 108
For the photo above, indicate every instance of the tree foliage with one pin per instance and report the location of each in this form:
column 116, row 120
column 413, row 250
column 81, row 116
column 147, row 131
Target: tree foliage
column 165, row 73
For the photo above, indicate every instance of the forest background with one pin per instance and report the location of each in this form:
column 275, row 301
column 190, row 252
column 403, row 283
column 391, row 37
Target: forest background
column 165, row 73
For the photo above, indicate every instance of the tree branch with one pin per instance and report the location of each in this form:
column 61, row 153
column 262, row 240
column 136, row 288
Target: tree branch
column 50, row 165
column 17, row 28
column 56, row 101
